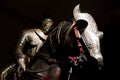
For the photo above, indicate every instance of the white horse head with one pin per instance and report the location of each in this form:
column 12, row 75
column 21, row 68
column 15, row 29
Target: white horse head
column 90, row 35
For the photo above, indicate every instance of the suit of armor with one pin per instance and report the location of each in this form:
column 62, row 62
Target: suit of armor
column 31, row 41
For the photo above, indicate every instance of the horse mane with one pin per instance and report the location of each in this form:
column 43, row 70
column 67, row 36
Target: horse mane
column 60, row 32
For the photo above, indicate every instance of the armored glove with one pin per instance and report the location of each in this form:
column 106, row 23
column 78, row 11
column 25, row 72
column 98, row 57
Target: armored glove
column 21, row 64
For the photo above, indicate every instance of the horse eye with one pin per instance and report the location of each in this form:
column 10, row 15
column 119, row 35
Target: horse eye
column 82, row 24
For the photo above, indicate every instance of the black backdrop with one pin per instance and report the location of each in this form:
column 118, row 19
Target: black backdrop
column 16, row 15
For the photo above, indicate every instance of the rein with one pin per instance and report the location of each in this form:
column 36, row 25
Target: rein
column 78, row 39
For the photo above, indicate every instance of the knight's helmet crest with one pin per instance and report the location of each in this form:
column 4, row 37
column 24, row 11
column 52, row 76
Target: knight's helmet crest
column 91, row 35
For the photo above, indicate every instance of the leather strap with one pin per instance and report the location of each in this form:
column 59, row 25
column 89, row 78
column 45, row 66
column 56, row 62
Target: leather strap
column 41, row 38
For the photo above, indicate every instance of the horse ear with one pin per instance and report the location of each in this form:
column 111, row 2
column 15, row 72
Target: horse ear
column 76, row 12
column 81, row 24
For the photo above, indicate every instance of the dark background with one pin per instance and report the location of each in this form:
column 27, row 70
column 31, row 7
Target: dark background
column 16, row 15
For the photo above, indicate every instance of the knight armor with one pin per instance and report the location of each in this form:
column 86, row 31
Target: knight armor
column 31, row 41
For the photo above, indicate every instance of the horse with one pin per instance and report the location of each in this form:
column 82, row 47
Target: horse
column 72, row 48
